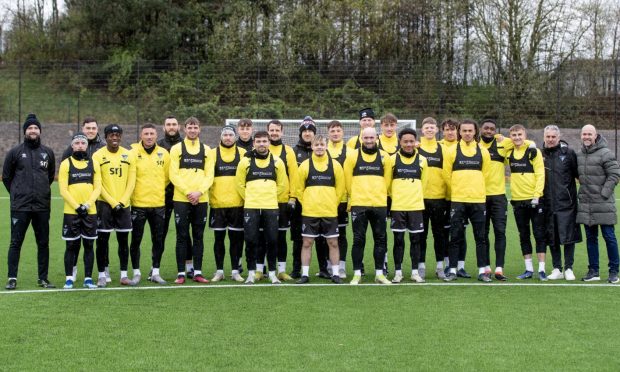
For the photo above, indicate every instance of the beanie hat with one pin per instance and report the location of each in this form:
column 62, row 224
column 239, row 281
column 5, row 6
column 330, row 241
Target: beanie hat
column 112, row 128
column 367, row 113
column 31, row 119
column 229, row 128
column 79, row 136
column 307, row 124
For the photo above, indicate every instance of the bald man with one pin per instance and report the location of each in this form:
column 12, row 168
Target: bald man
column 598, row 176
column 368, row 173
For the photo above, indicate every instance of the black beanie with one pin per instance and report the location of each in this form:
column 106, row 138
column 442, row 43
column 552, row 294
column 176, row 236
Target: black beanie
column 307, row 124
column 31, row 119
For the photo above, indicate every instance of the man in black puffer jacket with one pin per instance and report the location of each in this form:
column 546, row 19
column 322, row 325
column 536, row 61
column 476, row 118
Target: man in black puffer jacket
column 28, row 172
column 560, row 202
column 598, row 176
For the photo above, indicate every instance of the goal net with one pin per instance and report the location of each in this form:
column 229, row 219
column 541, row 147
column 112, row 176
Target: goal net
column 291, row 127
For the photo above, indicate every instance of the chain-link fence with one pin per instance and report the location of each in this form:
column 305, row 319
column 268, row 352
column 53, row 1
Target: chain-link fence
column 134, row 92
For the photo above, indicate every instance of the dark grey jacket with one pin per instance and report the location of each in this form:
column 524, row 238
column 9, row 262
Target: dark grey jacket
column 598, row 175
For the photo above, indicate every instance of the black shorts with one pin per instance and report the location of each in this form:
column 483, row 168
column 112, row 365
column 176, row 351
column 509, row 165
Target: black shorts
column 226, row 218
column 411, row 221
column 343, row 215
column 313, row 227
column 75, row 227
column 284, row 217
column 108, row 220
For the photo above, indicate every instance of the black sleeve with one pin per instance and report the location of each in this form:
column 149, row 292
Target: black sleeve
column 52, row 168
column 574, row 167
column 8, row 170
column 66, row 153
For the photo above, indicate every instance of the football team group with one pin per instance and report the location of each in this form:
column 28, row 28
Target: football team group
column 254, row 189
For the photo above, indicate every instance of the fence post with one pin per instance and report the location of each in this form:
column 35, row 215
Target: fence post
column 79, row 93
column 138, row 102
column 616, row 103
column 19, row 104
column 557, row 103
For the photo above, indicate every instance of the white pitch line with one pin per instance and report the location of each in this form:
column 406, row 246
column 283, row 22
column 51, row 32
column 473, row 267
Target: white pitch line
column 224, row 286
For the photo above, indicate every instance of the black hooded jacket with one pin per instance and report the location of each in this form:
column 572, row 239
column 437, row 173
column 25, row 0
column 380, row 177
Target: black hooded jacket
column 28, row 172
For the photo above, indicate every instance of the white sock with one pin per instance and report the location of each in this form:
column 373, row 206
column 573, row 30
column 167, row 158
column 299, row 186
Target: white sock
column 446, row 261
column 220, row 272
column 88, row 278
column 155, row 271
column 499, row 269
column 74, row 270
column 481, row 270
column 541, row 266
column 335, row 269
column 136, row 272
column 378, row 272
column 235, row 272
column 102, row 274
column 421, row 266
column 106, row 270
column 251, row 273
column 460, row 265
column 123, row 274
column 281, row 267
column 343, row 265
column 385, row 258
column 189, row 266
column 528, row 265
column 260, row 267
column 70, row 277
column 305, row 270
column 440, row 265
column 181, row 273
column 197, row 272
column 399, row 272
column 415, row 272
column 453, row 270
column 487, row 268
column 272, row 274
column 357, row 272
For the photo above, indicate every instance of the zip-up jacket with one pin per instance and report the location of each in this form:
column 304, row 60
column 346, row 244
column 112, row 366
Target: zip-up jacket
column 27, row 175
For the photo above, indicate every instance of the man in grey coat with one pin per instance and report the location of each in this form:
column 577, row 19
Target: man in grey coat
column 598, row 175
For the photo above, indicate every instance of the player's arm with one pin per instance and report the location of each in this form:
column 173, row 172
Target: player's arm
column 63, row 185
column 340, row 183
column 448, row 160
column 291, row 163
column 96, row 184
column 281, row 178
column 387, row 168
column 8, row 170
column 174, row 171
column 242, row 170
column 302, row 176
column 51, row 169
column 131, row 180
column 486, row 163
column 539, row 173
column 423, row 169
column 393, row 161
column 209, row 171
column 349, row 163
column 166, row 167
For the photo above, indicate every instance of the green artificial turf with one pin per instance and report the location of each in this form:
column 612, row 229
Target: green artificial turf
column 423, row 327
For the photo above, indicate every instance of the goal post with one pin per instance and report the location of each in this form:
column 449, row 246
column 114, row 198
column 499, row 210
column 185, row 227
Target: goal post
column 291, row 127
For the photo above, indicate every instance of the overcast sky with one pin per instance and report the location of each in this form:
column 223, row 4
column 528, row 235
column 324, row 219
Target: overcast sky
column 7, row 7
